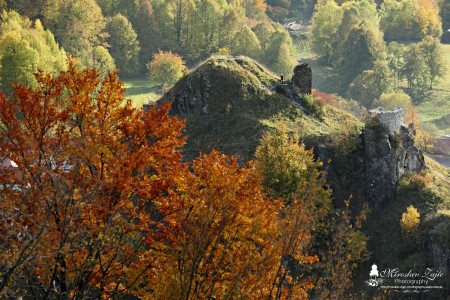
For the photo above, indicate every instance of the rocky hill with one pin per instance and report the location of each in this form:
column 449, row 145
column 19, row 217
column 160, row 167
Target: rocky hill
column 225, row 102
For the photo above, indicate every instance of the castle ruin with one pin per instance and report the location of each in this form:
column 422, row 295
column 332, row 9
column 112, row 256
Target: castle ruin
column 391, row 120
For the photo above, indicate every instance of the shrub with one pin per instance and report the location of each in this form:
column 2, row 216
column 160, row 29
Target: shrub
column 166, row 68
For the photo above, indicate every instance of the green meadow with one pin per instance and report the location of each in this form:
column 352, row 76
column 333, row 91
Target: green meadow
column 141, row 91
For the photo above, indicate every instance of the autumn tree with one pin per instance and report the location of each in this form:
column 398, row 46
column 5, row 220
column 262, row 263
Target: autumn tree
column 221, row 245
column 165, row 68
column 90, row 170
column 429, row 18
column 410, row 219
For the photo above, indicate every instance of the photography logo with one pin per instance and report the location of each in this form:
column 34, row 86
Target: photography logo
column 412, row 281
column 374, row 279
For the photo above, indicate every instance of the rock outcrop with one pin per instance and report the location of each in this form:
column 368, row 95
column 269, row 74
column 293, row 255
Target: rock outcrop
column 302, row 79
column 389, row 150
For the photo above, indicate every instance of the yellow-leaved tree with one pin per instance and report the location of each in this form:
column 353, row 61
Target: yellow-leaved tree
column 410, row 219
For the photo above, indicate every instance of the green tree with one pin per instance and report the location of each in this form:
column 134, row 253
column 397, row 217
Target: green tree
column 362, row 14
column 18, row 63
column 24, row 48
column 232, row 22
column 81, row 28
column 362, row 48
column 103, row 61
column 434, row 58
column 124, row 44
column 245, row 42
column 46, row 10
column 166, row 68
column 416, row 72
column 323, row 30
column 393, row 100
column 370, row 84
column 399, row 20
column 307, row 217
column 286, row 165
column 148, row 33
column 281, row 54
column 396, row 60
column 201, row 37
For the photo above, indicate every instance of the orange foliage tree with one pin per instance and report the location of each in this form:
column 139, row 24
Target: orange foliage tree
column 79, row 219
column 222, row 245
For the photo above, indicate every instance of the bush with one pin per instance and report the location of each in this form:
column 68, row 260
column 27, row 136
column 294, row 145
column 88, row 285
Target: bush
column 166, row 68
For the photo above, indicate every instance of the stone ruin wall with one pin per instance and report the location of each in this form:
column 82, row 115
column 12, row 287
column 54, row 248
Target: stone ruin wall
column 392, row 120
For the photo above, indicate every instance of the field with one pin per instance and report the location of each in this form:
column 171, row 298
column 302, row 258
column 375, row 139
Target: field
column 435, row 111
column 140, row 90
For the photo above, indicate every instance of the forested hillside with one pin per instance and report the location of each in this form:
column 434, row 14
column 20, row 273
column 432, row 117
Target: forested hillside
column 224, row 149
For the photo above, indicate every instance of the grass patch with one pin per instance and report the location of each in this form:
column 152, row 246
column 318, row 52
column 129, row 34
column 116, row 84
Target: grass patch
column 141, row 91
column 434, row 112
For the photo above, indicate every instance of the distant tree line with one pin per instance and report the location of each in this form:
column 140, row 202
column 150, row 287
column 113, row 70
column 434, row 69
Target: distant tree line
column 125, row 34
column 373, row 50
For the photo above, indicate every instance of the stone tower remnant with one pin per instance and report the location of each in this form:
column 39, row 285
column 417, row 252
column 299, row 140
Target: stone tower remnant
column 302, row 79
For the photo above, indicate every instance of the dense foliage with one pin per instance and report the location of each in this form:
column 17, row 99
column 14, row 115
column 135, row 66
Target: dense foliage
column 25, row 47
column 360, row 30
column 132, row 31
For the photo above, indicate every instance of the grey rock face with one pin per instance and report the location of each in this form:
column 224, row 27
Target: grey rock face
column 439, row 252
column 389, row 152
